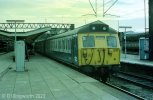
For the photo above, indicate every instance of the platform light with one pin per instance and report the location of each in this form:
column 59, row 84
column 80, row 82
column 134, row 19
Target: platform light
column 14, row 22
column 125, row 27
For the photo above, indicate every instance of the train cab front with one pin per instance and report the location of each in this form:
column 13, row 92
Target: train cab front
column 98, row 51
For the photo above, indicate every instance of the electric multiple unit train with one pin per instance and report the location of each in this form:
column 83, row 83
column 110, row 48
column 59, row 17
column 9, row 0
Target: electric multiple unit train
column 93, row 48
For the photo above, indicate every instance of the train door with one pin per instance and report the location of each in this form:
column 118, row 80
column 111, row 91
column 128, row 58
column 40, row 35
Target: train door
column 74, row 48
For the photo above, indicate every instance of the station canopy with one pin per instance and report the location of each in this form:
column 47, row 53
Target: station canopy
column 31, row 31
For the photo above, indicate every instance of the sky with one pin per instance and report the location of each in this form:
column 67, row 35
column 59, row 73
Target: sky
column 78, row 12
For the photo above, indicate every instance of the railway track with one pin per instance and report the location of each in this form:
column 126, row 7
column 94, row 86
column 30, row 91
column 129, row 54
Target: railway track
column 127, row 92
column 139, row 80
column 107, row 83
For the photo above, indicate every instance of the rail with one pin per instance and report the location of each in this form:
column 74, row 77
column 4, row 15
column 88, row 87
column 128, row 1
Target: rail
column 136, row 79
column 122, row 90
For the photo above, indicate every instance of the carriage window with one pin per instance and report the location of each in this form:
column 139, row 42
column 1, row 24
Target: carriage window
column 88, row 41
column 63, row 44
column 68, row 44
column 111, row 41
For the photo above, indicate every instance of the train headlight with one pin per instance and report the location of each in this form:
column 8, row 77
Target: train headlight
column 93, row 28
column 99, row 27
column 104, row 28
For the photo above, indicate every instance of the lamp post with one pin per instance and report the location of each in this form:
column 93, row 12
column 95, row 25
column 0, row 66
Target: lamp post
column 15, row 37
column 14, row 22
column 145, row 17
column 125, row 27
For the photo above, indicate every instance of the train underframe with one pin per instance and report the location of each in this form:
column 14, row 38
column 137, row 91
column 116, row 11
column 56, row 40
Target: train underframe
column 100, row 73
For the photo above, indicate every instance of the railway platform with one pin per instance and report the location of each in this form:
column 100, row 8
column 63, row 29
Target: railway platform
column 46, row 79
column 135, row 60
column 5, row 63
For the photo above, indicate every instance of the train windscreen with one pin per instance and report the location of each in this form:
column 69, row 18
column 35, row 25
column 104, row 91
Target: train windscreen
column 88, row 41
column 111, row 41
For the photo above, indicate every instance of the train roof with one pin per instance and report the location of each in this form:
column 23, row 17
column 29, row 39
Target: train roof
column 87, row 28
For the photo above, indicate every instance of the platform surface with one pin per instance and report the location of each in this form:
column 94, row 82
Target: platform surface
column 49, row 80
column 5, row 62
column 135, row 59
